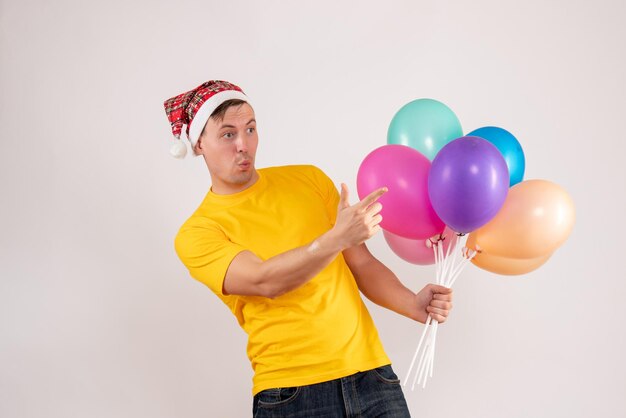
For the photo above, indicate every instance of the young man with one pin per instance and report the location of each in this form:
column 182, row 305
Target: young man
column 286, row 253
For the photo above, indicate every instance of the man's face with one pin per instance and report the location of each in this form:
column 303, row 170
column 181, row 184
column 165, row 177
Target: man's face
column 229, row 147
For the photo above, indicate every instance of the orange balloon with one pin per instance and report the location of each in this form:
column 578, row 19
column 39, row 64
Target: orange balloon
column 508, row 266
column 536, row 218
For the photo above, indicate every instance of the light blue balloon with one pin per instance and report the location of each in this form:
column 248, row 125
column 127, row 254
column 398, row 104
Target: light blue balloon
column 425, row 125
column 509, row 147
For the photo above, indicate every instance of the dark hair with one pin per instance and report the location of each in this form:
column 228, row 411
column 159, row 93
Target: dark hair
column 220, row 111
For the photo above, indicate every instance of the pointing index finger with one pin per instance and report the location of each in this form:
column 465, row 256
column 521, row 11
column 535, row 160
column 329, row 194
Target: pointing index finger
column 372, row 197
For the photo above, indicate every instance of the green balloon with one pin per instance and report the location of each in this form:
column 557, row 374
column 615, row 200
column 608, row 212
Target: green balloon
column 425, row 125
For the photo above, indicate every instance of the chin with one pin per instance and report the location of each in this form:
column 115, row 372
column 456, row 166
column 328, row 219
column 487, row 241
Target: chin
column 242, row 178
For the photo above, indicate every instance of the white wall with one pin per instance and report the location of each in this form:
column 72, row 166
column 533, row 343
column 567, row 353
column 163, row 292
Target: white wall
column 98, row 318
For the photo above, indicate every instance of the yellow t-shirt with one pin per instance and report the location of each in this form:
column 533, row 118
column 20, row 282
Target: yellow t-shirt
column 315, row 333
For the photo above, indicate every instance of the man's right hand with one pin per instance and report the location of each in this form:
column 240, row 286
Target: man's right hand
column 357, row 223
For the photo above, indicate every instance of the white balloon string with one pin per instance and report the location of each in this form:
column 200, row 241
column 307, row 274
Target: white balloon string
column 458, row 271
column 465, row 263
column 422, row 376
column 437, row 261
column 458, row 252
column 458, row 259
column 421, row 363
column 448, row 267
column 419, row 345
column 424, row 365
column 458, row 268
column 441, row 261
column 436, row 253
column 436, row 246
column 432, row 357
column 448, row 254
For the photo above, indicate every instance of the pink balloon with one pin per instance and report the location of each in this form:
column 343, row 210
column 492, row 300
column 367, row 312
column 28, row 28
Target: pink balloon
column 417, row 251
column 406, row 206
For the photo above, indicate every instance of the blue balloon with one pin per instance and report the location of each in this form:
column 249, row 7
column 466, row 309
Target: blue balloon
column 508, row 146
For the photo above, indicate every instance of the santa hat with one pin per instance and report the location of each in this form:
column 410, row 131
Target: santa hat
column 194, row 108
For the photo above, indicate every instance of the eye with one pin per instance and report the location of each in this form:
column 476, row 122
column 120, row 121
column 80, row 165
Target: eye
column 228, row 135
column 250, row 130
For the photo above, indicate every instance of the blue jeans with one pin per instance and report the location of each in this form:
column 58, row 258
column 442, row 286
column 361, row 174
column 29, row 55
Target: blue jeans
column 374, row 393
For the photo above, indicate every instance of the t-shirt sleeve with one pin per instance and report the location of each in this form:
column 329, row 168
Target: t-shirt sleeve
column 206, row 252
column 328, row 191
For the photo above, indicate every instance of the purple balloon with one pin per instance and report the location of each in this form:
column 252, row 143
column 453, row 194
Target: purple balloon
column 468, row 183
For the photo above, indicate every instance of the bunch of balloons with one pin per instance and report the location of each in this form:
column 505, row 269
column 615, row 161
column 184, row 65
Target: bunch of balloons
column 441, row 182
column 443, row 186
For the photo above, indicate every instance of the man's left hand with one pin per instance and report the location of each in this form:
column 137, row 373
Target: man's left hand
column 435, row 300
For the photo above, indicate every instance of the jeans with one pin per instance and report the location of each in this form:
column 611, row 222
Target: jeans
column 374, row 393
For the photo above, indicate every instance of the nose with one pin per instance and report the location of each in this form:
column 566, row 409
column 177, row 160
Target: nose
column 242, row 144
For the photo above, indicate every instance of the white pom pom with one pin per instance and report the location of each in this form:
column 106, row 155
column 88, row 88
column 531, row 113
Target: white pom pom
column 178, row 150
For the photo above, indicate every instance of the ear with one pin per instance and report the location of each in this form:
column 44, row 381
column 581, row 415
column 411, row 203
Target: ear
column 197, row 149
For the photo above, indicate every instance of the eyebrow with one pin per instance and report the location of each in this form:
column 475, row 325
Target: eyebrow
column 233, row 126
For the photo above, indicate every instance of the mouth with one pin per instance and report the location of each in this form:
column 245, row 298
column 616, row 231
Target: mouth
column 245, row 164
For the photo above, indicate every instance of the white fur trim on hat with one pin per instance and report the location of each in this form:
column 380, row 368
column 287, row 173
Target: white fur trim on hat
column 204, row 113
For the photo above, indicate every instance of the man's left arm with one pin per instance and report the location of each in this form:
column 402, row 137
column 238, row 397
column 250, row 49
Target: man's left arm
column 381, row 286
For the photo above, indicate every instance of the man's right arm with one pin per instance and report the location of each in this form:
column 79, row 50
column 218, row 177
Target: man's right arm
column 249, row 275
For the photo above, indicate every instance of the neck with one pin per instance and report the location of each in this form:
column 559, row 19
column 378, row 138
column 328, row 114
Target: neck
column 224, row 188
